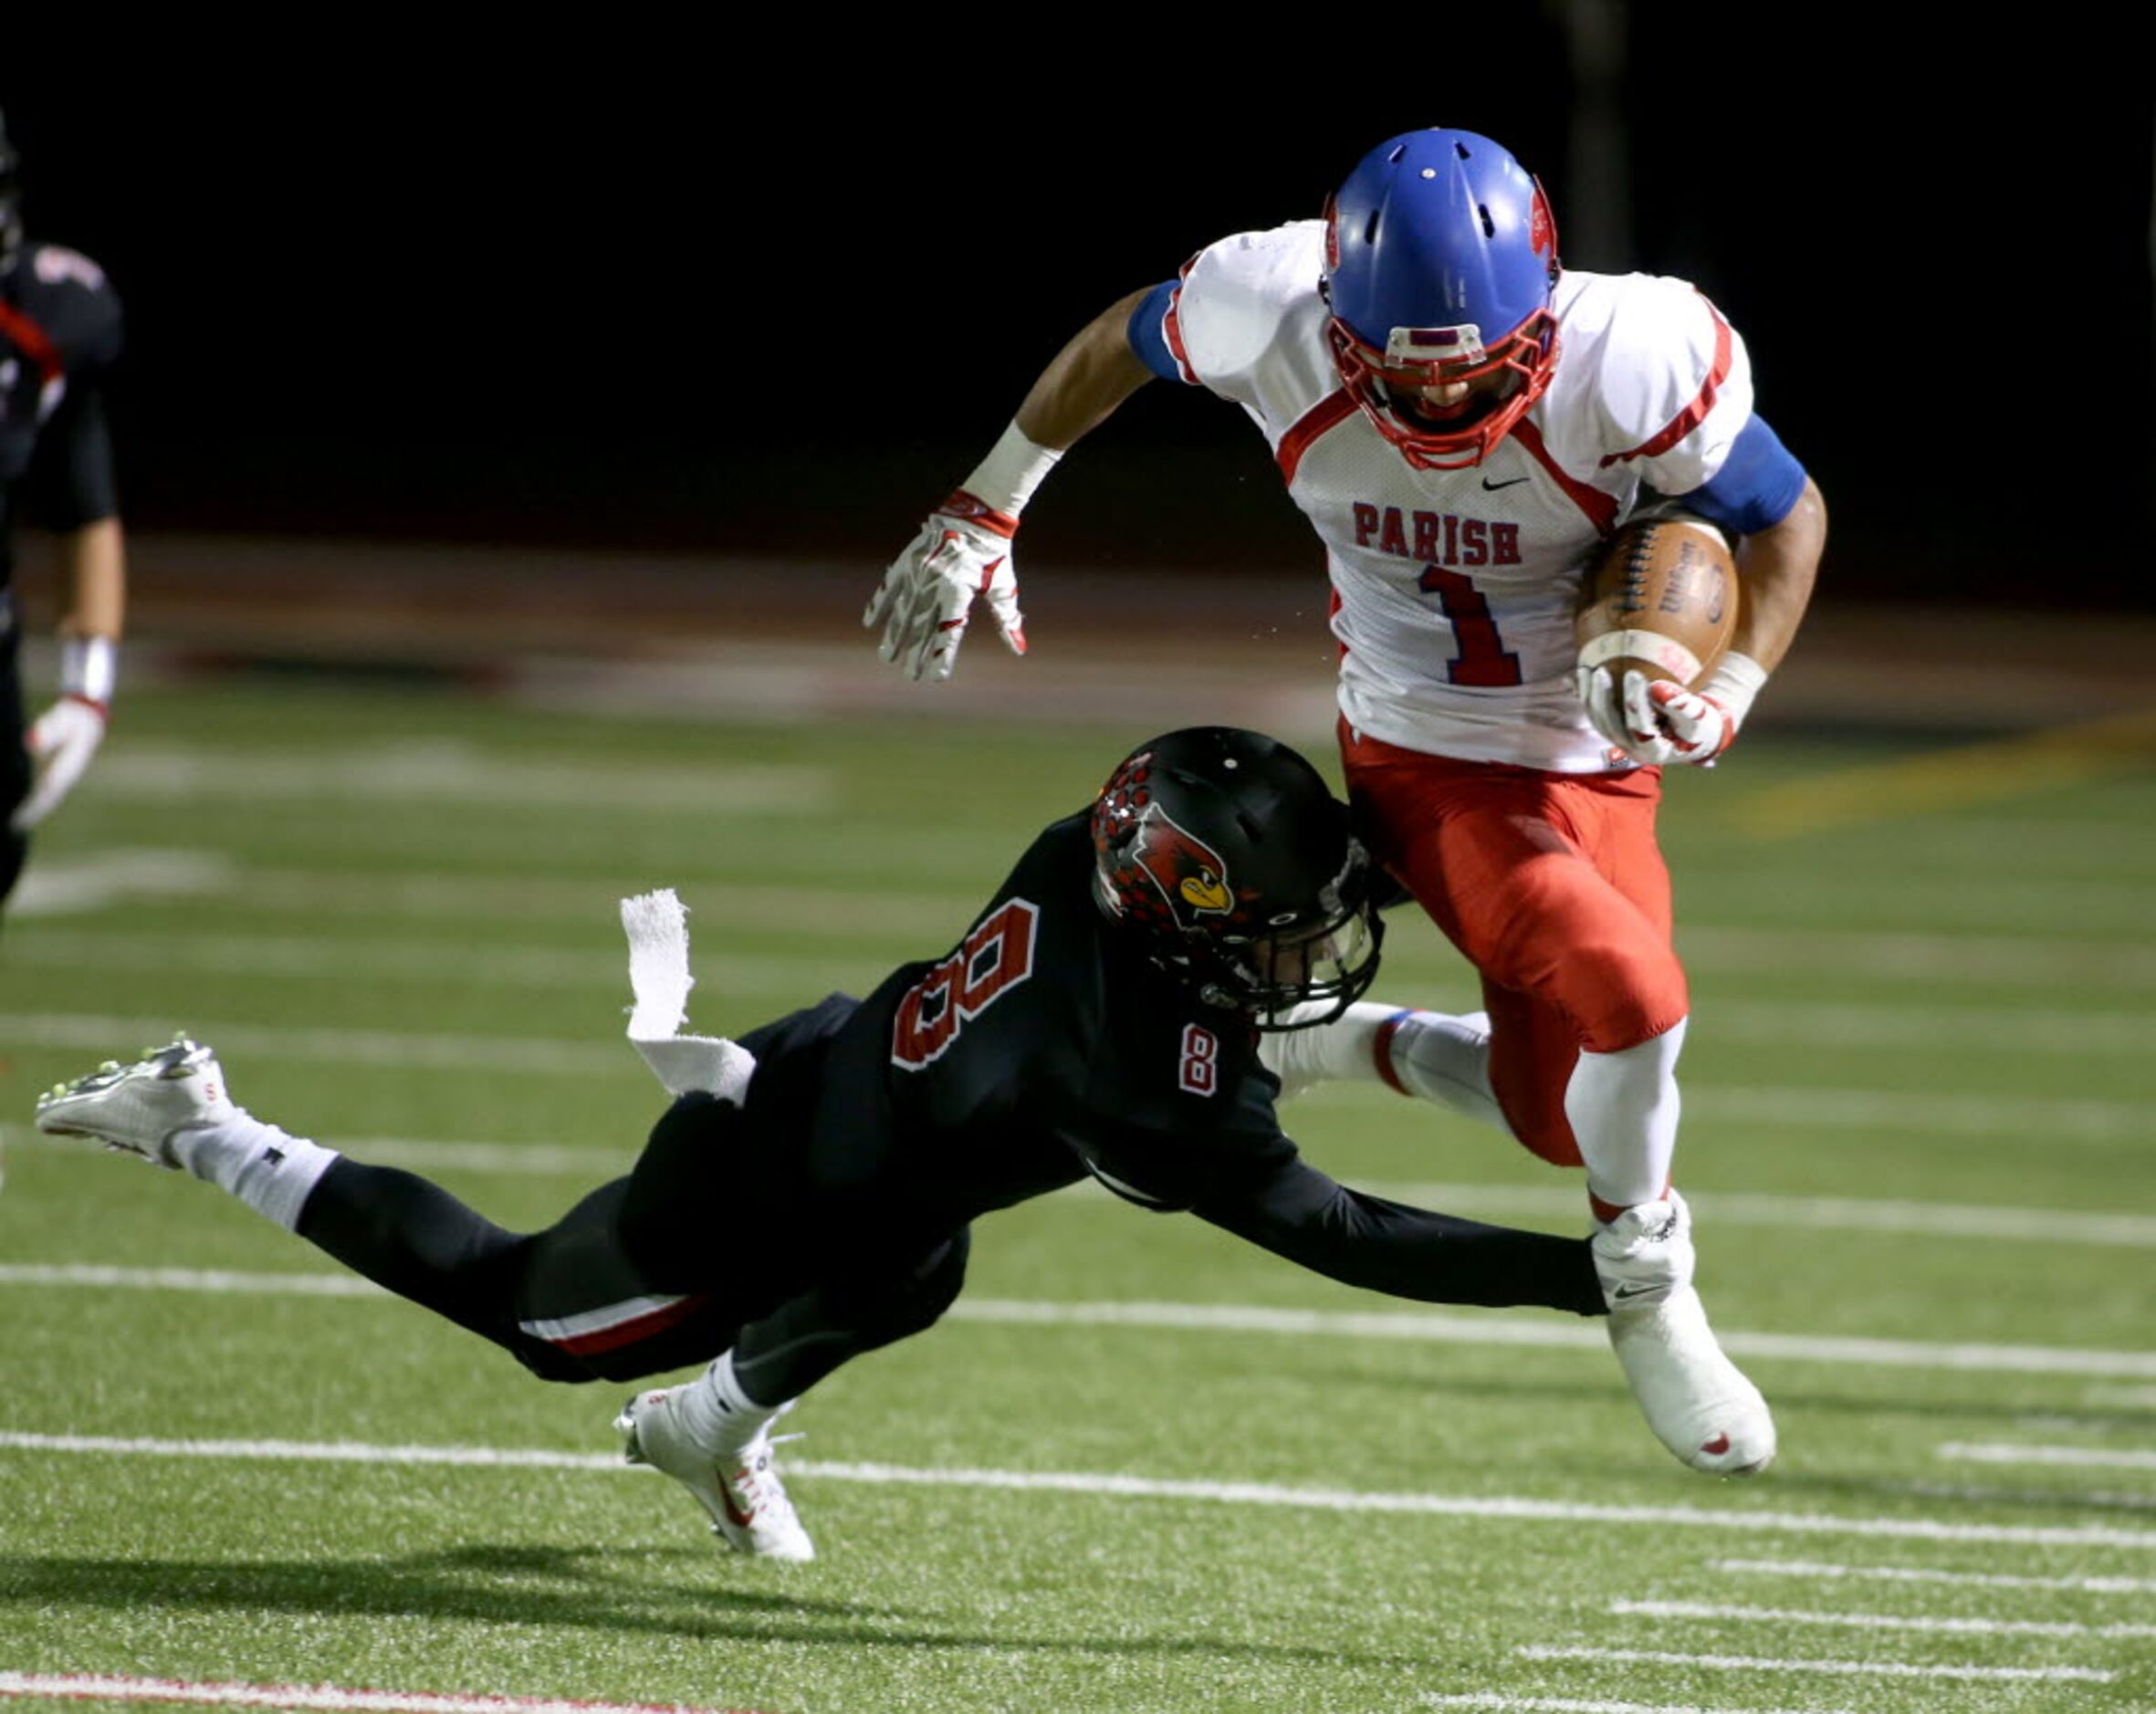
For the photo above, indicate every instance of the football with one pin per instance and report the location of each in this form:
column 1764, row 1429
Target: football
column 1661, row 599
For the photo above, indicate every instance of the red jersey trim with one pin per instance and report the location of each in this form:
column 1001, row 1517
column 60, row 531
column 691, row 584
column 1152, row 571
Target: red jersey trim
column 1600, row 508
column 1171, row 326
column 1323, row 416
column 1695, row 414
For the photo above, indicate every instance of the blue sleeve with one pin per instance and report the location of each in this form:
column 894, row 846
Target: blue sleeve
column 1756, row 486
column 1148, row 339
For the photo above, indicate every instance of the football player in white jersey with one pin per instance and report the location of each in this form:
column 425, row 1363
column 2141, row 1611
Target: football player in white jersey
column 1464, row 422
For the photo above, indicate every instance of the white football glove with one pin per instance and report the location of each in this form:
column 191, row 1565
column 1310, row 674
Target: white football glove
column 1657, row 722
column 1604, row 700
column 926, row 598
column 1665, row 723
column 61, row 742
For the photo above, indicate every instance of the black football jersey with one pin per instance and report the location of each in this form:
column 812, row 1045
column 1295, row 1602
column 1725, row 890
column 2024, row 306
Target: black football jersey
column 59, row 334
column 1047, row 1047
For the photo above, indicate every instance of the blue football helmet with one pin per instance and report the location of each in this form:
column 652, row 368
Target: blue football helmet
column 1441, row 260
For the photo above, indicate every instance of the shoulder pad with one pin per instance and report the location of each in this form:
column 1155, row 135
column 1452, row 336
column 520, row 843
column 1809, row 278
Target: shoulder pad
column 1236, row 295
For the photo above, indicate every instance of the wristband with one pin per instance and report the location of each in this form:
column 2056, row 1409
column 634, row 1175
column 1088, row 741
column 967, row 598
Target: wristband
column 1733, row 685
column 88, row 666
column 1014, row 467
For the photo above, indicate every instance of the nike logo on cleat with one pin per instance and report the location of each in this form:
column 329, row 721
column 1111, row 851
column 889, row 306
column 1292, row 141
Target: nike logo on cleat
column 1718, row 1446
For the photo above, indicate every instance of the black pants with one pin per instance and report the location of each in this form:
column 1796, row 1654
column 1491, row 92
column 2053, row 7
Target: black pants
column 656, row 1271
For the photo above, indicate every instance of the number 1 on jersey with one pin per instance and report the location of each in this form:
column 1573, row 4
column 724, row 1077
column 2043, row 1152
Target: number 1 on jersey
column 1483, row 661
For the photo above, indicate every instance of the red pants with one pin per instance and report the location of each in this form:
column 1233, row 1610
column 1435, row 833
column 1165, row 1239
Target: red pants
column 1554, row 888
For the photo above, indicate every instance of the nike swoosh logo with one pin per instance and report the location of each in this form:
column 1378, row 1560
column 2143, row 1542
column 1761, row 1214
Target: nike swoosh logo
column 1624, row 1292
column 1492, row 487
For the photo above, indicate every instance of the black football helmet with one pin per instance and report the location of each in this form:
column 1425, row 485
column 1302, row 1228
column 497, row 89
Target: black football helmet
column 1228, row 851
column 11, row 199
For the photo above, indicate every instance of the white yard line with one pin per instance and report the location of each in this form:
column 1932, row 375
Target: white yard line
column 112, row 1688
column 444, row 771
column 412, row 1050
column 599, row 973
column 1105, row 1485
column 1421, row 1326
column 2056, row 1122
column 805, row 912
column 1921, row 1574
column 1738, row 1208
column 2011, row 1029
column 1877, row 1621
column 1572, row 1705
column 1722, row 1207
column 81, row 885
column 2121, row 1398
column 1465, row 1330
column 2077, row 965
column 2083, row 1458
column 1842, row 1669
column 2078, row 1034
column 215, row 1280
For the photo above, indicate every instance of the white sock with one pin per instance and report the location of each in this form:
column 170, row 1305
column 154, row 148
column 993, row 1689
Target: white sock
column 1302, row 1059
column 714, row 1409
column 1624, row 1109
column 1446, row 1059
column 268, row 1168
column 1433, row 1055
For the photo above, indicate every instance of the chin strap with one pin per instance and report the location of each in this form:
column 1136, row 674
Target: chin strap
column 657, row 927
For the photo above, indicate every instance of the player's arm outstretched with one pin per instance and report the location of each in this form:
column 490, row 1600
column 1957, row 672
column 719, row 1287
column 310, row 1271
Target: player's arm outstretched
column 1302, row 1215
column 963, row 549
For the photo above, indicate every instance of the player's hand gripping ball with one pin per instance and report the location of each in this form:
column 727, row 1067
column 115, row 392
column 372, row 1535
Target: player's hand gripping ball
column 1658, row 609
column 962, row 554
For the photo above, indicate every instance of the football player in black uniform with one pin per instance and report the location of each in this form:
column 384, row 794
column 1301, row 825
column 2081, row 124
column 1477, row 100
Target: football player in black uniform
column 1101, row 1017
column 59, row 332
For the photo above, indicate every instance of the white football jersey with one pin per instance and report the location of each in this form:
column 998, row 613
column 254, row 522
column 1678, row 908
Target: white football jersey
column 1454, row 590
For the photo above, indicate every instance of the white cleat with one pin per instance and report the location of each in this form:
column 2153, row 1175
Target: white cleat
column 139, row 1107
column 1696, row 1400
column 740, row 1488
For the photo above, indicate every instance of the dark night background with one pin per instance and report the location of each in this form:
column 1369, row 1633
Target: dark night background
column 780, row 305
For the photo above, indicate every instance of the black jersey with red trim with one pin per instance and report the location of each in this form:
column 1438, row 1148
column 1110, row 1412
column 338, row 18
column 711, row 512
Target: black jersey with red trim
column 1047, row 1047
column 59, row 335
